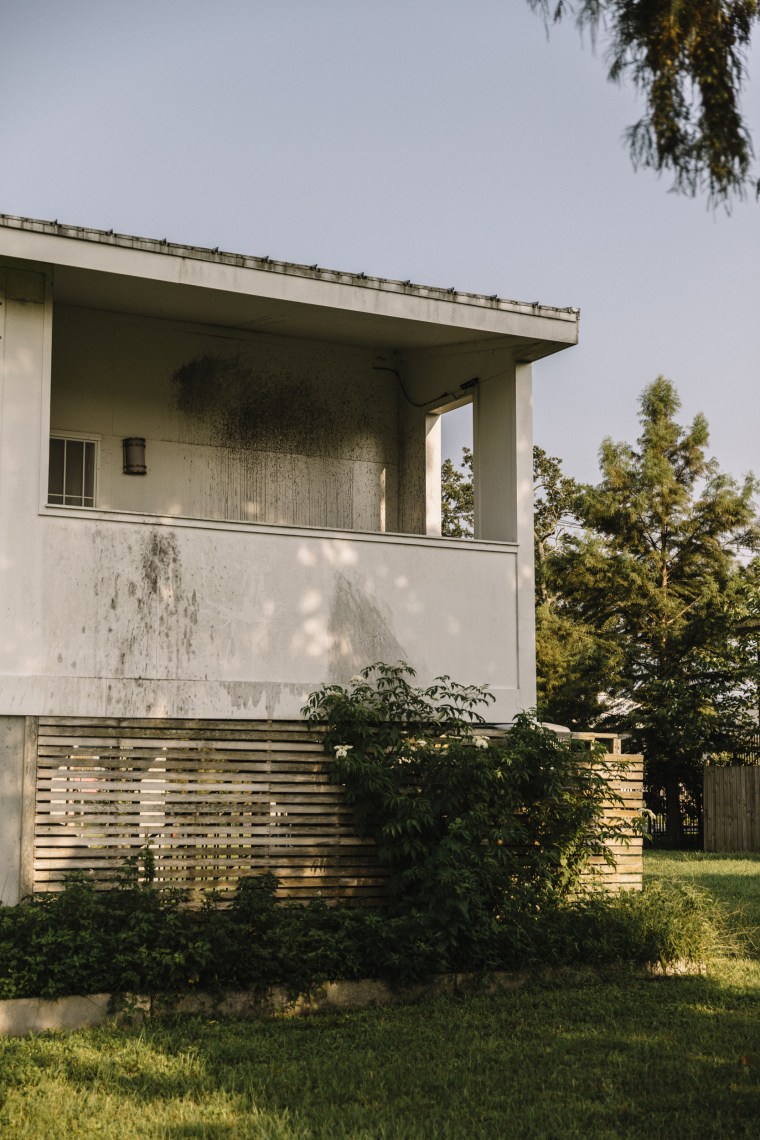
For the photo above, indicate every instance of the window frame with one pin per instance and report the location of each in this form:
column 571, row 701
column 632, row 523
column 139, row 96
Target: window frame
column 84, row 438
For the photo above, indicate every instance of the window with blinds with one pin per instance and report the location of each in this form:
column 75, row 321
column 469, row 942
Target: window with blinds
column 71, row 474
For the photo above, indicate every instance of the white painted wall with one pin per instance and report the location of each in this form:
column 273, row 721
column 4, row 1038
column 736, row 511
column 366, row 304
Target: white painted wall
column 175, row 619
column 106, row 613
column 205, row 589
column 238, row 427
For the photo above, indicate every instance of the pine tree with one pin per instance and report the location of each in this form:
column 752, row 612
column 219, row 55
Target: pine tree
column 572, row 658
column 662, row 573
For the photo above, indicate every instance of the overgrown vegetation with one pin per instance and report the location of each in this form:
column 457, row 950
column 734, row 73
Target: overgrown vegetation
column 138, row 939
column 592, row 1056
column 484, row 840
column 472, row 828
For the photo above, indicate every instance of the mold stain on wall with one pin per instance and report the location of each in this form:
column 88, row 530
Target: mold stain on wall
column 283, row 443
column 151, row 617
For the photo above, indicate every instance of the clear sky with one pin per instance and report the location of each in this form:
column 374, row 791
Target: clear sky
column 447, row 142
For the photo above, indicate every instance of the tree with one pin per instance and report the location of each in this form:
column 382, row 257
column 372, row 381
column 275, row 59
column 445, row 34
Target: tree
column 661, row 571
column 555, row 499
column 647, row 596
column 457, row 503
column 687, row 59
column 572, row 657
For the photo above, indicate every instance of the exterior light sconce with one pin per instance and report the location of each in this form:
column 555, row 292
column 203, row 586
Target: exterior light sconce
column 134, row 456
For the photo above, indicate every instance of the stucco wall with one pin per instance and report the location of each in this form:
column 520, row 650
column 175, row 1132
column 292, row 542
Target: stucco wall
column 128, row 615
column 239, row 427
column 139, row 619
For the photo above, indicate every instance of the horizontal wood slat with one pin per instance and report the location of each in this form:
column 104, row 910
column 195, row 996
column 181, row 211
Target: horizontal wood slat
column 218, row 800
column 213, row 800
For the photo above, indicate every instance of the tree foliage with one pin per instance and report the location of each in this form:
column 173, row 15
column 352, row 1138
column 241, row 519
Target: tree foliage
column 555, row 502
column 457, row 503
column 572, row 657
column 662, row 571
column 648, row 596
column 687, row 58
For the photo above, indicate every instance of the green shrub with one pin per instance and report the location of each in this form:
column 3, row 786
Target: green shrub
column 124, row 939
column 472, row 829
column 134, row 939
column 661, row 925
column 485, row 841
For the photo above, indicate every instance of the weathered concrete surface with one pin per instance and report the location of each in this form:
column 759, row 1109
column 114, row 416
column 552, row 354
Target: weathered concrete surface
column 19, row 1016
column 11, row 806
column 120, row 272
column 274, row 400
column 22, row 1016
column 204, row 621
column 238, row 426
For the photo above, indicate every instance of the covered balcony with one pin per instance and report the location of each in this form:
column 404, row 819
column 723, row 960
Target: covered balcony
column 275, row 520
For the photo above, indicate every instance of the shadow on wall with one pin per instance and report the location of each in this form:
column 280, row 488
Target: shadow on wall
column 359, row 632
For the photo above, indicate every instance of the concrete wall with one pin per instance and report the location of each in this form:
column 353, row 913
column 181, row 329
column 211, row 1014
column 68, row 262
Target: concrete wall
column 139, row 619
column 239, row 427
column 12, row 740
column 105, row 613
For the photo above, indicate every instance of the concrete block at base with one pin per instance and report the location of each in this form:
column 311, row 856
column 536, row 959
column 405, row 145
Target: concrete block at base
column 19, row 1016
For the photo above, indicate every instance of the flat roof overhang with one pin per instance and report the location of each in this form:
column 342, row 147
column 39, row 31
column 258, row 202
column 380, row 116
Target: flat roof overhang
column 119, row 273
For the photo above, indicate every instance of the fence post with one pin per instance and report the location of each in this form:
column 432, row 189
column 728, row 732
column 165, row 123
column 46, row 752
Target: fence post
column 16, row 746
column 28, row 806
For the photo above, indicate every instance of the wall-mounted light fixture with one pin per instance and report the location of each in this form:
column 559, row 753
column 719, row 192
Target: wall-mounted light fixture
column 134, row 456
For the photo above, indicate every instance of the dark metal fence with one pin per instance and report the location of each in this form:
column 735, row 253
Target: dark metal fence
column 659, row 839
column 744, row 752
column 747, row 751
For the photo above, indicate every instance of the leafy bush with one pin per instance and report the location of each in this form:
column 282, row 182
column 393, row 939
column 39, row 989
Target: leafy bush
column 661, row 925
column 473, row 829
column 128, row 938
column 485, row 840
column 134, row 938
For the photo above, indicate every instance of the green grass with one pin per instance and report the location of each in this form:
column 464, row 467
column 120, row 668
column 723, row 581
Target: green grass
column 612, row 1057
column 733, row 879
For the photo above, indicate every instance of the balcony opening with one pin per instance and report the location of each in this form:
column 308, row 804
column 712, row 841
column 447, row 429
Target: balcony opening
column 456, row 494
column 239, row 427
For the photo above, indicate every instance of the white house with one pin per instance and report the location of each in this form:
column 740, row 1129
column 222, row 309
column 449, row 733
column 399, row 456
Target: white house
column 280, row 527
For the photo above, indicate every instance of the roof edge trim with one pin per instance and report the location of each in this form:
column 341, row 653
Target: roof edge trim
column 270, row 265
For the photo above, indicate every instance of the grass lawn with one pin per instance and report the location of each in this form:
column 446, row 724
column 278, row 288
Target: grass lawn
column 614, row 1057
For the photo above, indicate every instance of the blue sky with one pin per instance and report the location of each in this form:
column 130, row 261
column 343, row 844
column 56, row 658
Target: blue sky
column 449, row 143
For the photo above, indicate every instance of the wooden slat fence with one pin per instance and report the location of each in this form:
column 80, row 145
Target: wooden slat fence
column 625, row 775
column 216, row 801
column 731, row 807
column 213, row 800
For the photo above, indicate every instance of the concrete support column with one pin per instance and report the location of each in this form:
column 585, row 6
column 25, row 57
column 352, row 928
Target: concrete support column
column 25, row 365
column 433, row 513
column 526, row 584
column 18, row 755
column 495, row 458
column 412, row 470
column 503, row 486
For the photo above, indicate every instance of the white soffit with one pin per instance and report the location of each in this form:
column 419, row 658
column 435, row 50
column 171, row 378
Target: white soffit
column 121, row 273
